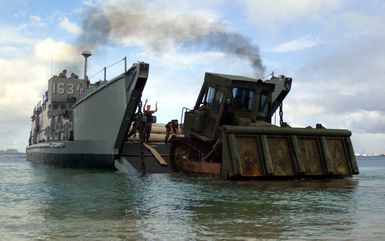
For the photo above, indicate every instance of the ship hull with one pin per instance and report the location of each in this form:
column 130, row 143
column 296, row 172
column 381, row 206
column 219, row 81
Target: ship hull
column 71, row 154
column 95, row 154
column 72, row 160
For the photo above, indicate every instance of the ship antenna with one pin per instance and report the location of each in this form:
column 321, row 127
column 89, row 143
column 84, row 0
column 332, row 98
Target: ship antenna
column 85, row 54
column 51, row 64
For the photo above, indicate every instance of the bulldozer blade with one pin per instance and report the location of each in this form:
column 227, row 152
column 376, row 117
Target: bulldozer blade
column 278, row 152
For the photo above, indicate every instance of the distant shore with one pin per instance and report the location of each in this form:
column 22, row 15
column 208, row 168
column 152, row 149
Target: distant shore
column 369, row 154
column 10, row 151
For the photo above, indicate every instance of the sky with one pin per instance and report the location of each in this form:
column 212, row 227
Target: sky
column 333, row 49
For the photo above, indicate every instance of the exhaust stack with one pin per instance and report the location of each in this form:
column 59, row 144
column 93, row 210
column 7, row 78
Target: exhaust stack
column 86, row 54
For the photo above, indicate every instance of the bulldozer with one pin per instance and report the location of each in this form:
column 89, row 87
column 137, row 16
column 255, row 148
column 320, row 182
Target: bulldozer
column 229, row 133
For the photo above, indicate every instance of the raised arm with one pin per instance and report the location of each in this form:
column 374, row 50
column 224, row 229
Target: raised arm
column 144, row 106
column 156, row 107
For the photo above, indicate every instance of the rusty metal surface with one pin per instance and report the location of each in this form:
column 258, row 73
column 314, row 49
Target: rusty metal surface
column 202, row 167
column 281, row 156
column 187, row 156
column 312, row 159
column 339, row 156
column 250, row 156
column 257, row 156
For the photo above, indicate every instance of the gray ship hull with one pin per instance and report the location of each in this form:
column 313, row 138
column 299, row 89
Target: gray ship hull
column 82, row 154
column 94, row 154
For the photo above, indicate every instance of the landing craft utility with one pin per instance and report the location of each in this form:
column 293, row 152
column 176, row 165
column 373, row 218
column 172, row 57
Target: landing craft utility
column 83, row 124
column 228, row 132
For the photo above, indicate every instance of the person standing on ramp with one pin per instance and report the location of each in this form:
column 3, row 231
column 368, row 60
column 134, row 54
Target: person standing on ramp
column 148, row 114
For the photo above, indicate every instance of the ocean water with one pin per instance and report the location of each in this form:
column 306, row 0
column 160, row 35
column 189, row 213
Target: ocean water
column 39, row 202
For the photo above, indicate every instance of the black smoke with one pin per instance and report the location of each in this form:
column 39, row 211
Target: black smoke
column 95, row 29
column 138, row 23
column 233, row 44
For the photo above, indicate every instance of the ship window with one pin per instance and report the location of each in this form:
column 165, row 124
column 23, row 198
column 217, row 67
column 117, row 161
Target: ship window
column 243, row 98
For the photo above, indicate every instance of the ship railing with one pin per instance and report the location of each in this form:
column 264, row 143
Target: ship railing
column 104, row 69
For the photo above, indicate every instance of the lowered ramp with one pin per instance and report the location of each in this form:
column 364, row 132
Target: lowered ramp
column 147, row 159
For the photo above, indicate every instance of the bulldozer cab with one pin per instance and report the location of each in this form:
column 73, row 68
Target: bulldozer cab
column 250, row 101
column 228, row 100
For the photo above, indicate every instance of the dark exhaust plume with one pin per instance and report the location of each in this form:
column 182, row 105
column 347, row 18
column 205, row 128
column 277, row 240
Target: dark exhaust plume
column 143, row 24
column 233, row 44
column 95, row 29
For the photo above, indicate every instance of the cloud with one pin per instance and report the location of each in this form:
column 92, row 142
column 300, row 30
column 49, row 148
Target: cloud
column 276, row 12
column 61, row 51
column 182, row 61
column 172, row 97
column 368, row 122
column 353, row 66
column 36, row 22
column 20, row 87
column 15, row 134
column 361, row 22
column 11, row 51
column 36, row 19
column 15, row 35
column 345, row 84
column 294, row 45
column 24, row 80
column 364, row 143
column 69, row 26
column 7, row 2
